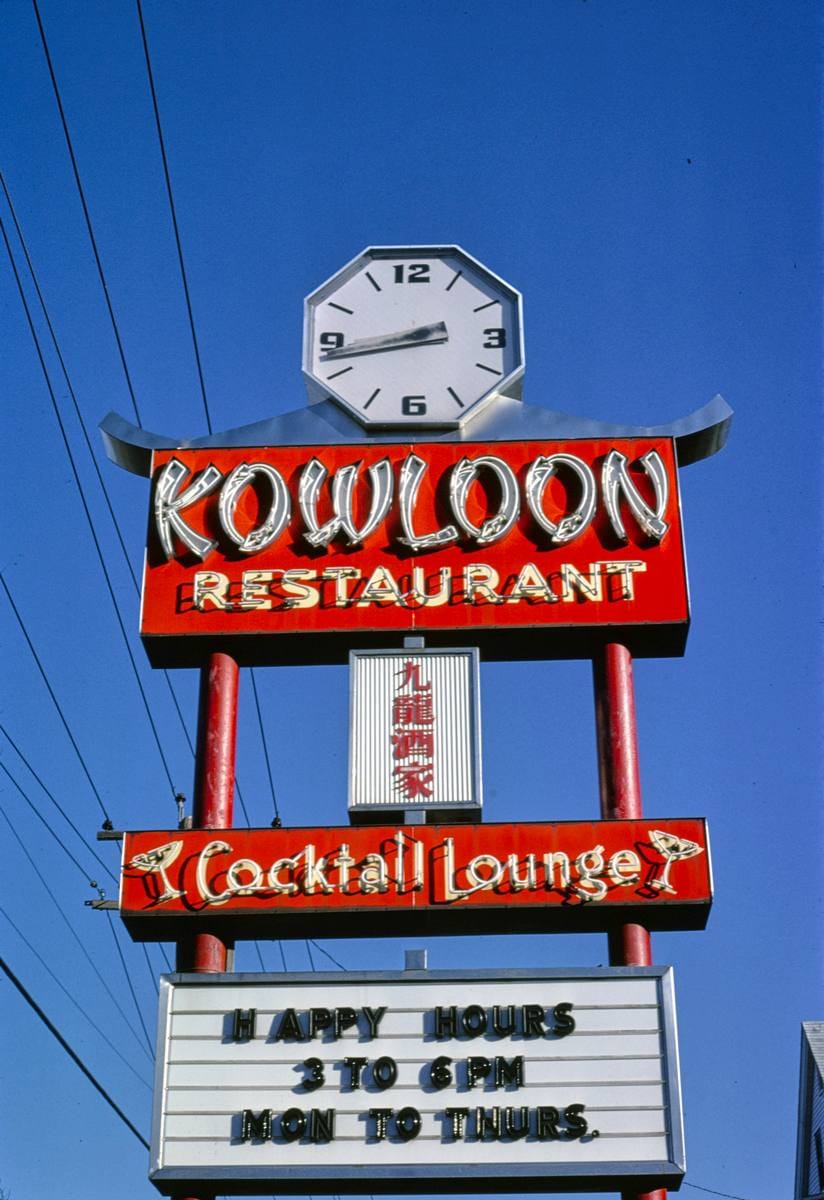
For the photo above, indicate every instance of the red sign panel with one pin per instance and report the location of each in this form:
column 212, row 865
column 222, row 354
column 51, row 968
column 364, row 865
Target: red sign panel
column 440, row 879
column 358, row 544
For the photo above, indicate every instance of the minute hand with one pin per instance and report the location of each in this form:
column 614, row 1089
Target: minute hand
column 421, row 335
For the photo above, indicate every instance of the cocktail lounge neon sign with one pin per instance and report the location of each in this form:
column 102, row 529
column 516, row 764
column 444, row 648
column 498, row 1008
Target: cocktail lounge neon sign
column 289, row 874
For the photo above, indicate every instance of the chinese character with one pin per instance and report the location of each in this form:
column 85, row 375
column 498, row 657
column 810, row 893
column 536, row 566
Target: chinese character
column 419, row 743
column 413, row 710
column 414, row 780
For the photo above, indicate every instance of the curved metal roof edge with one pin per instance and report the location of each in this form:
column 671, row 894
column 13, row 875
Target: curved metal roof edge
column 697, row 435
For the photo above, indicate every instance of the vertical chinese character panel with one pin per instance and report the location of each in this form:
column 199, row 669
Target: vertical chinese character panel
column 414, row 735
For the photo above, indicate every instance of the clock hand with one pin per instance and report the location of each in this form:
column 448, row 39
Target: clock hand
column 421, row 335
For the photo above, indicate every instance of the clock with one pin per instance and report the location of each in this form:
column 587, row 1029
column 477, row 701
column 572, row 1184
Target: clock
column 413, row 337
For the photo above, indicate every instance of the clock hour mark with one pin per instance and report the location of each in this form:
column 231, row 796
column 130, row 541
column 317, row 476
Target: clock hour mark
column 455, row 397
column 340, row 308
column 343, row 371
column 371, row 398
column 484, row 367
column 481, row 307
column 375, row 285
column 453, row 280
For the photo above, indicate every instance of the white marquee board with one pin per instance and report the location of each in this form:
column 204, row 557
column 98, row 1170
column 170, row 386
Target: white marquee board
column 581, row 1094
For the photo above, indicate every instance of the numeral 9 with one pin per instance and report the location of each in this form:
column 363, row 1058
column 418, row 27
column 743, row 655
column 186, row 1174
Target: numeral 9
column 331, row 341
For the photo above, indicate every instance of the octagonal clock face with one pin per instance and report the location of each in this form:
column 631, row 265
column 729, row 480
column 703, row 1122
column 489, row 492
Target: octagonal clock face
column 413, row 337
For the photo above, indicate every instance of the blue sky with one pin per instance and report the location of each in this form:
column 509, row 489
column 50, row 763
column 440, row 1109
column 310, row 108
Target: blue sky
column 648, row 175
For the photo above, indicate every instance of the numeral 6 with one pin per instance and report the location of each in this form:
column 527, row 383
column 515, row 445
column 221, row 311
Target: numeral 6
column 413, row 406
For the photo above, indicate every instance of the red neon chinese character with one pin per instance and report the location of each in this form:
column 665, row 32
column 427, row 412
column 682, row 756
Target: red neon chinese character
column 414, row 781
column 420, row 742
column 415, row 709
column 412, row 676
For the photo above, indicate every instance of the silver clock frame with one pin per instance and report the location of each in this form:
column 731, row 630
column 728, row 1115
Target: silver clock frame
column 319, row 390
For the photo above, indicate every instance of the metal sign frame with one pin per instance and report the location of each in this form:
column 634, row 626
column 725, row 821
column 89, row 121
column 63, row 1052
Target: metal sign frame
column 442, row 1174
column 455, row 684
column 463, row 544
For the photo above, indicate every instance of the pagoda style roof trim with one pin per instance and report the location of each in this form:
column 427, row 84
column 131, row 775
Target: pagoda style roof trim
column 698, row 435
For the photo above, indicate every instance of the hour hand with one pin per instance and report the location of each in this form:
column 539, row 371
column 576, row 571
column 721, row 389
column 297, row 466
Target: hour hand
column 421, row 335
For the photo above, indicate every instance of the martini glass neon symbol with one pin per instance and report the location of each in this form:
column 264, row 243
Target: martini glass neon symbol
column 155, row 862
column 673, row 849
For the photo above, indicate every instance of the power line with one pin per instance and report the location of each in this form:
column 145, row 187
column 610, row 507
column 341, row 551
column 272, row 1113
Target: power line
column 101, row 1033
column 86, row 875
column 328, row 955
column 195, row 345
column 86, row 214
column 170, row 194
column 76, row 1059
column 59, row 807
column 58, row 352
column 184, row 279
column 242, row 804
column 72, row 930
column 713, row 1192
column 271, row 779
column 150, row 968
column 84, row 428
column 129, row 982
column 85, row 507
column 265, row 747
column 55, row 701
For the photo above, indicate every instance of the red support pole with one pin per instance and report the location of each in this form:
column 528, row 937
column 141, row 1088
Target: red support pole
column 214, row 788
column 213, row 799
column 620, row 787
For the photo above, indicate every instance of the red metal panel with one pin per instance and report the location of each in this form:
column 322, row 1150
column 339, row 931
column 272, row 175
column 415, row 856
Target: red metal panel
column 522, row 581
column 388, row 879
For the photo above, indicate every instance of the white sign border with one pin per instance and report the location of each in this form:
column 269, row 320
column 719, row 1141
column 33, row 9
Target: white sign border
column 466, row 1178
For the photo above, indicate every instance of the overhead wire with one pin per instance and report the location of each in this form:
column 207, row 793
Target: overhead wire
column 80, row 757
column 72, row 1000
column 202, row 382
column 81, row 421
column 119, row 534
column 265, row 747
column 181, row 261
column 86, row 213
column 273, row 794
column 34, row 808
column 129, row 983
column 713, row 1192
column 86, row 874
column 328, row 955
column 84, row 427
column 88, row 516
column 54, row 801
column 170, row 194
column 81, row 944
column 75, row 1057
